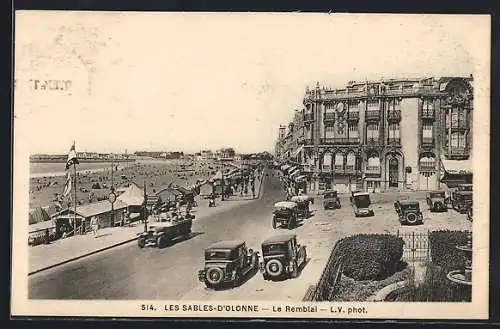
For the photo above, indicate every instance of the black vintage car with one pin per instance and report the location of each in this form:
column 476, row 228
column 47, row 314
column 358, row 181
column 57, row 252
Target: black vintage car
column 162, row 231
column 228, row 262
column 461, row 201
column 282, row 256
column 302, row 202
column 436, row 200
column 408, row 212
column 331, row 200
column 361, row 204
column 285, row 213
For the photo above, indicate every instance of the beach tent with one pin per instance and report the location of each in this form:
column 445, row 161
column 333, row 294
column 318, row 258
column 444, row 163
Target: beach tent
column 133, row 196
column 38, row 215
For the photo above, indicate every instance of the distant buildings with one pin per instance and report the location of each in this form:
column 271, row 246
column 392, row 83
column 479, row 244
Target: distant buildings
column 395, row 134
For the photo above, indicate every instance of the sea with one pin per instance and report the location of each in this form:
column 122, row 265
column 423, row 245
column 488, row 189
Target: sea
column 54, row 169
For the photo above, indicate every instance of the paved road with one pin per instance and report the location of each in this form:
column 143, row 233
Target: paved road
column 128, row 272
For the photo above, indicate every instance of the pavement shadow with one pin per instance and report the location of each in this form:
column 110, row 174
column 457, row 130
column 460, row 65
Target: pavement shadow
column 182, row 239
column 242, row 281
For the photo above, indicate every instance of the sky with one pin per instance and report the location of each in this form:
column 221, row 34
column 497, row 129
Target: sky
column 192, row 81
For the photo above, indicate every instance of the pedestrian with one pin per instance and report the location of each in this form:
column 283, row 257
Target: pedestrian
column 94, row 222
column 82, row 227
column 253, row 191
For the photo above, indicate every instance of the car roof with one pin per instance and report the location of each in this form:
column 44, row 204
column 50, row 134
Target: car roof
column 300, row 198
column 360, row 193
column 408, row 202
column 227, row 244
column 285, row 204
column 279, row 238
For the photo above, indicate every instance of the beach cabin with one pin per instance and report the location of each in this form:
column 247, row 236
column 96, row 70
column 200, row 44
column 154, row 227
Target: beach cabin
column 101, row 209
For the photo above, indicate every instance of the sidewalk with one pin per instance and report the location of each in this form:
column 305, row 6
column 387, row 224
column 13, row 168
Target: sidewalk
column 62, row 251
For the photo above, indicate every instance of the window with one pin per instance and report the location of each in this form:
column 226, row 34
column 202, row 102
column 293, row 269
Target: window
column 329, row 107
column 351, row 161
column 394, row 131
column 354, row 107
column 454, row 117
column 329, row 131
column 372, row 106
column 327, row 161
column 427, row 130
column 393, row 105
column 373, row 163
column 372, row 131
column 353, row 130
column 339, row 161
column 309, row 133
column 428, row 105
column 454, row 140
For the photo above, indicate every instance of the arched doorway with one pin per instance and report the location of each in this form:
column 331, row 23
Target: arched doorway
column 393, row 172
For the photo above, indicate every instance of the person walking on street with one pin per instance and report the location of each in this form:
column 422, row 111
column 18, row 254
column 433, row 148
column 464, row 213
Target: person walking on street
column 94, row 222
column 82, row 227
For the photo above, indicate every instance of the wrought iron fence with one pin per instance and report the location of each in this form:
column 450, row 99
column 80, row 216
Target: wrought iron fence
column 416, row 246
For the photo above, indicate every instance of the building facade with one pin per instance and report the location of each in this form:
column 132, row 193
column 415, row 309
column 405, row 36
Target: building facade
column 396, row 134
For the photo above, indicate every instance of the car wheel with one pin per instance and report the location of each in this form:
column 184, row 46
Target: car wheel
column 214, row 276
column 338, row 205
column 295, row 270
column 160, row 242
column 291, row 223
column 411, row 218
column 274, row 268
column 141, row 242
column 275, row 224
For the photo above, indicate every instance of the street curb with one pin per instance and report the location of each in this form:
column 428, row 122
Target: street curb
column 81, row 256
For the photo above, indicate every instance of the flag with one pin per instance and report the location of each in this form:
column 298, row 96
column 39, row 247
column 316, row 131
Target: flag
column 67, row 185
column 72, row 159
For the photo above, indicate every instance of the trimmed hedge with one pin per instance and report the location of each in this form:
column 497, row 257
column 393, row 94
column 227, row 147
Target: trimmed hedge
column 443, row 249
column 371, row 256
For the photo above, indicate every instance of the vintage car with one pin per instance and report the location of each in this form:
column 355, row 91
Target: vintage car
column 461, row 201
column 436, row 200
column 302, row 202
column 361, row 204
column 282, row 257
column 227, row 262
column 331, row 200
column 162, row 231
column 285, row 213
column 408, row 212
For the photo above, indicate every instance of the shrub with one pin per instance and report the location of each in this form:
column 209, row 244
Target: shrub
column 443, row 249
column 371, row 256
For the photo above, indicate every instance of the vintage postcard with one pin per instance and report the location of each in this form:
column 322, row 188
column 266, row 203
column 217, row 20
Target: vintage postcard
column 260, row 165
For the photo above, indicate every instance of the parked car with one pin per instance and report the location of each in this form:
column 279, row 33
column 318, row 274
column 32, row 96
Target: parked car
column 458, row 188
column 408, row 212
column 361, row 204
column 461, row 201
column 285, row 213
column 436, row 200
column 331, row 200
column 227, row 262
column 302, row 202
column 162, row 233
column 282, row 257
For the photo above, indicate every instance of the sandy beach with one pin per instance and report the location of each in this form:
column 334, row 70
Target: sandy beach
column 155, row 173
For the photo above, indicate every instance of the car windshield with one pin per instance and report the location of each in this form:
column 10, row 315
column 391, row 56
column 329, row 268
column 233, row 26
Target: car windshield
column 218, row 254
column 330, row 195
column 411, row 206
column 362, row 201
column 274, row 249
column 437, row 195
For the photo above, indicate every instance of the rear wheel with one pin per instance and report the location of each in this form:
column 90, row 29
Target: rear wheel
column 161, row 241
column 214, row 277
column 275, row 222
column 411, row 218
column 141, row 242
column 274, row 268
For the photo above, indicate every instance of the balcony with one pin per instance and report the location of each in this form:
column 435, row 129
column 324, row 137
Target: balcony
column 350, row 169
column 427, row 166
column 353, row 116
column 372, row 170
column 428, row 114
column 308, row 117
column 372, row 115
column 329, row 117
column 308, row 141
column 346, row 141
column 338, row 169
column 373, row 141
column 458, row 153
column 394, row 141
column 427, row 142
column 394, row 116
column 460, row 125
column 326, row 168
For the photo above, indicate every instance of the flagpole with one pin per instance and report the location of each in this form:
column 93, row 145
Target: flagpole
column 74, row 184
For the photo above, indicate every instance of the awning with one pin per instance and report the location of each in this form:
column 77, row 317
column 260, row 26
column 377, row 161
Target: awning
column 297, row 151
column 457, row 166
column 285, row 167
